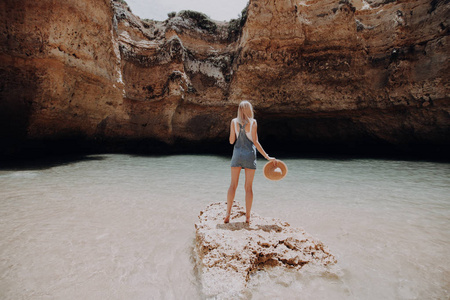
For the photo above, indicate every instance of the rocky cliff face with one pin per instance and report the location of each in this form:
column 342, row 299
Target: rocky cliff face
column 59, row 69
column 348, row 71
column 324, row 73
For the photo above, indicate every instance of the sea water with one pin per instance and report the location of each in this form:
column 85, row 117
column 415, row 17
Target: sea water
column 122, row 227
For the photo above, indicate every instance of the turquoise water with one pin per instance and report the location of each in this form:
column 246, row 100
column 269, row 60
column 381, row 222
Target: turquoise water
column 122, row 227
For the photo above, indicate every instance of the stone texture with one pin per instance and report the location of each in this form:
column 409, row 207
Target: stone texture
column 228, row 254
column 318, row 73
column 59, row 68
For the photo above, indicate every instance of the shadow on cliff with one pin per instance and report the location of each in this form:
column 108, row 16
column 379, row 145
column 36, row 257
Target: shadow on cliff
column 278, row 146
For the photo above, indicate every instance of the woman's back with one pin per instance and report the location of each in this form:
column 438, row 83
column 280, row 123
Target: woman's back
column 248, row 128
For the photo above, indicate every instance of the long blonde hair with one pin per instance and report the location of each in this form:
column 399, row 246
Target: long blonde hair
column 245, row 112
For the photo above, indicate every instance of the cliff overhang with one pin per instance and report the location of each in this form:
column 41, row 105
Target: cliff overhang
column 321, row 75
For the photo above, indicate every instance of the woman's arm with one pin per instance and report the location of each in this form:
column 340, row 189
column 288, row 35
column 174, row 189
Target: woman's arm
column 232, row 133
column 257, row 144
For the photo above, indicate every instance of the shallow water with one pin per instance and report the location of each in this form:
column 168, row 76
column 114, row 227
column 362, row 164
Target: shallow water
column 122, row 227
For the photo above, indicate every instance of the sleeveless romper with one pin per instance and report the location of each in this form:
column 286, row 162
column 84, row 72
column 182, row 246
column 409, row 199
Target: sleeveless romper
column 244, row 152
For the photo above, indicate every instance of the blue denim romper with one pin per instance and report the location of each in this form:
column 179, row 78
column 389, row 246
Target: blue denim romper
column 244, row 153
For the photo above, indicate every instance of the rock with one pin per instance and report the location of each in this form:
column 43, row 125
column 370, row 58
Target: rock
column 59, row 68
column 228, row 254
column 318, row 73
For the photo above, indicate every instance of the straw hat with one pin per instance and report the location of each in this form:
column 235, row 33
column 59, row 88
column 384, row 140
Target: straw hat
column 275, row 172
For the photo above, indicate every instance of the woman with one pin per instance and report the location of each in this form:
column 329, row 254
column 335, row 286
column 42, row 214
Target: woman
column 243, row 131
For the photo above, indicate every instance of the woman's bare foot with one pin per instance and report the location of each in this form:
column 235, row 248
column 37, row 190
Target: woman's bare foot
column 227, row 219
column 247, row 220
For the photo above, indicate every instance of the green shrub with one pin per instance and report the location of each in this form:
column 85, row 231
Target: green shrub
column 244, row 14
column 171, row 14
column 200, row 19
column 235, row 25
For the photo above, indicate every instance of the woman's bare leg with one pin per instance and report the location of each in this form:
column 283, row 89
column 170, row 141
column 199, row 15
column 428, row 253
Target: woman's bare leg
column 249, row 175
column 235, row 171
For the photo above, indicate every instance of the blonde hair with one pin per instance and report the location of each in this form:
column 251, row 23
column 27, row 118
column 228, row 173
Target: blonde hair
column 245, row 112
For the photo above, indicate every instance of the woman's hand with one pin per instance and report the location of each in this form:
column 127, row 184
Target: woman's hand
column 272, row 159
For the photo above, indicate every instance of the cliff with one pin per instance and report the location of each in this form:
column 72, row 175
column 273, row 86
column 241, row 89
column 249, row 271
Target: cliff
column 228, row 255
column 59, row 70
column 319, row 73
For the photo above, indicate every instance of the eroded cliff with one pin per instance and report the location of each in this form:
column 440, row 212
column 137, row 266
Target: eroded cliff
column 59, row 70
column 319, row 73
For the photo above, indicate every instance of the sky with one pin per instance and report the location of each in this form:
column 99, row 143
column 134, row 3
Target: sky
column 219, row 10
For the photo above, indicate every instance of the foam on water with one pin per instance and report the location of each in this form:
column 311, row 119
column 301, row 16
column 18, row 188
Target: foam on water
column 121, row 227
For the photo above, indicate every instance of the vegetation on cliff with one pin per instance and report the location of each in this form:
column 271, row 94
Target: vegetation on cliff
column 200, row 19
column 235, row 25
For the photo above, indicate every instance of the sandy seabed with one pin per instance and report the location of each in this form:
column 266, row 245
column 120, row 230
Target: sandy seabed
column 122, row 226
